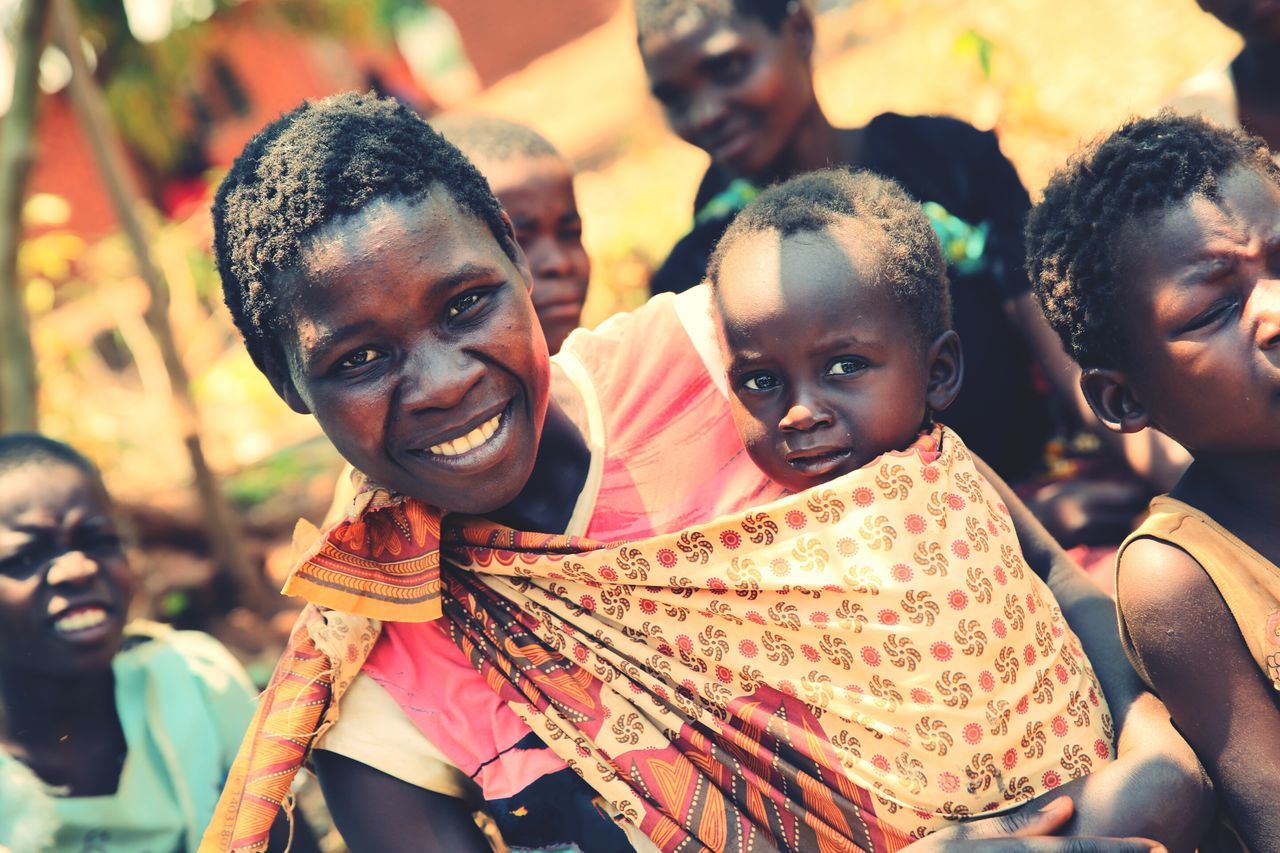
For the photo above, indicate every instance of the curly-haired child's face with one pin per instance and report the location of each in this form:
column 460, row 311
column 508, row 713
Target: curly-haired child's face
column 65, row 584
column 826, row 368
column 1202, row 317
column 537, row 193
column 414, row 344
column 733, row 87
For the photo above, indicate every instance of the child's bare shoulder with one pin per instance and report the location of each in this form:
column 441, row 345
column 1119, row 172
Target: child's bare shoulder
column 1176, row 619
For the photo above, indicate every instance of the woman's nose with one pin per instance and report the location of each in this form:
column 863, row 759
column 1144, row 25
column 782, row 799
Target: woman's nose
column 436, row 378
column 705, row 114
column 73, row 567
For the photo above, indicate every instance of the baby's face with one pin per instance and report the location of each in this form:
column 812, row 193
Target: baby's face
column 537, row 193
column 826, row 370
column 65, row 584
column 1202, row 317
column 411, row 338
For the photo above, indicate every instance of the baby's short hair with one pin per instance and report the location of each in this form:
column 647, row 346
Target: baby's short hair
column 659, row 16
column 319, row 162
column 910, row 258
column 26, row 448
column 1075, row 234
column 483, row 137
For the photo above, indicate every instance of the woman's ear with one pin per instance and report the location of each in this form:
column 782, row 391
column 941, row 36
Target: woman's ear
column 275, row 366
column 799, row 23
column 945, row 359
column 1112, row 399
column 517, row 254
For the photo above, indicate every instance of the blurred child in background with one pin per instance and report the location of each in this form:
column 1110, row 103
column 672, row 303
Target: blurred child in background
column 1246, row 93
column 534, row 185
column 112, row 736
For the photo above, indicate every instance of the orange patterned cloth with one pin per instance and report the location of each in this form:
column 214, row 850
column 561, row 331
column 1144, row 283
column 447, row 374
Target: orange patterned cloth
column 844, row 669
column 382, row 561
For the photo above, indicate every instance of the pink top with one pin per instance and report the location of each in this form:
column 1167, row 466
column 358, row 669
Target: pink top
column 665, row 455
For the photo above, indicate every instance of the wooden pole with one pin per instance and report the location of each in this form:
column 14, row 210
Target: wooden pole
column 17, row 151
column 91, row 112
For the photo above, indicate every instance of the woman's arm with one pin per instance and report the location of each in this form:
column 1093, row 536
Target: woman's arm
column 378, row 813
column 1192, row 650
column 1155, row 788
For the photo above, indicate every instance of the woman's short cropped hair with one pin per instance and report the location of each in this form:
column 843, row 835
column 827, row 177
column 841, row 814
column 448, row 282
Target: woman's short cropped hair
column 321, row 161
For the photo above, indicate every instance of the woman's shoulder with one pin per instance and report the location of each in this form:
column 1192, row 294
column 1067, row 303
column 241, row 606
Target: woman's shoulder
column 935, row 131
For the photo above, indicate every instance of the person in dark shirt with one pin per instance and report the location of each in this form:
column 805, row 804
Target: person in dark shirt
column 735, row 78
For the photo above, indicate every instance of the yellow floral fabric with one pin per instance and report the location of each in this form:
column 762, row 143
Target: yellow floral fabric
column 848, row 668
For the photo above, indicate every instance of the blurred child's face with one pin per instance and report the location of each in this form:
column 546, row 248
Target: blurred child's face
column 413, row 342
column 733, row 87
column 1256, row 20
column 1202, row 317
column 826, row 368
column 65, row 585
column 537, row 193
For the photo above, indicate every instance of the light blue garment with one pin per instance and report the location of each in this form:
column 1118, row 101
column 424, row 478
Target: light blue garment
column 184, row 703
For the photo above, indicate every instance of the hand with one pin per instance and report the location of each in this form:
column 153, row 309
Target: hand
column 1029, row 829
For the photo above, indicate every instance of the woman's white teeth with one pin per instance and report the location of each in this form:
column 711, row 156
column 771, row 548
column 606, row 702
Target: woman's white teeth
column 90, row 617
column 470, row 441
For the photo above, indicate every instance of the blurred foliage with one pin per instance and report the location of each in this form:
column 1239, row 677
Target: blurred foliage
column 155, row 90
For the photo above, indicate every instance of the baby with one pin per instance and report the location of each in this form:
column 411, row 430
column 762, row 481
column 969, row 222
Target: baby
column 1155, row 254
column 831, row 300
column 834, row 319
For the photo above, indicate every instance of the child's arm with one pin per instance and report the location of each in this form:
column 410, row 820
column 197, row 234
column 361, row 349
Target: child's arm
column 1154, row 788
column 1193, row 652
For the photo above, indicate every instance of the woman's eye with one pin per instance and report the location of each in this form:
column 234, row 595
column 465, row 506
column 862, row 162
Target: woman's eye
column 464, row 303
column 845, row 366
column 358, row 359
column 730, row 69
column 760, row 382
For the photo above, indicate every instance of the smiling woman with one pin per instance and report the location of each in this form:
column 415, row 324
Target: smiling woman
column 418, row 351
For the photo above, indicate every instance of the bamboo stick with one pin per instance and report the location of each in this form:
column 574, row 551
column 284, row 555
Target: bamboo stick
column 99, row 129
column 17, row 151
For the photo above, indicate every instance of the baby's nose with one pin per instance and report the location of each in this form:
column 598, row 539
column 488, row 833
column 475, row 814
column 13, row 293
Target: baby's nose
column 802, row 416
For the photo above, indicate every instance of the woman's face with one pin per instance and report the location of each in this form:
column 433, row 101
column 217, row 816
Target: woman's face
column 734, row 87
column 65, row 585
column 412, row 339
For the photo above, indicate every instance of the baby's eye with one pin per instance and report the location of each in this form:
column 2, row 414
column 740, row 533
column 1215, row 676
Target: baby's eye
column 760, row 382
column 358, row 359
column 846, row 366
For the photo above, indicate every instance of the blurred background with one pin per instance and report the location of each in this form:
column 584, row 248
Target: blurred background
column 136, row 361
